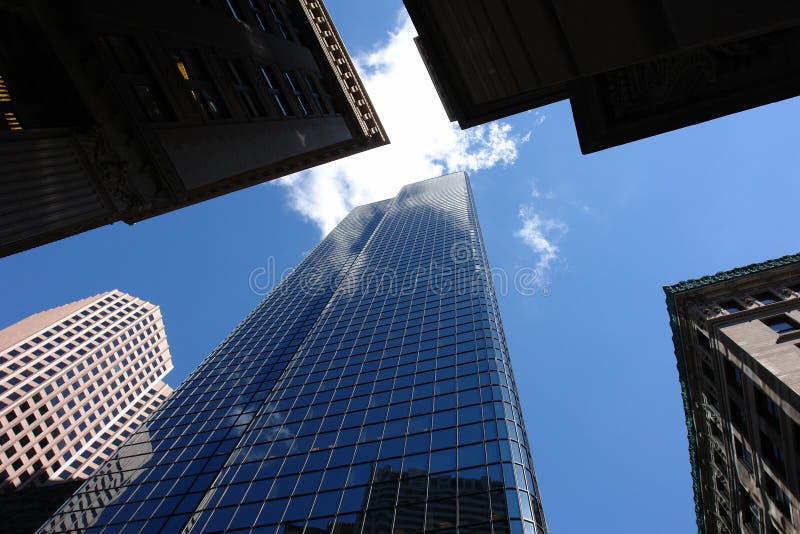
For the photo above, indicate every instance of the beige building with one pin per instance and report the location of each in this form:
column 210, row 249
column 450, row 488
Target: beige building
column 737, row 342
column 75, row 382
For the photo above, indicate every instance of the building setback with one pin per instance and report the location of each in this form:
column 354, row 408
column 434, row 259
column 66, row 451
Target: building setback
column 116, row 110
column 737, row 341
column 371, row 391
column 76, row 382
column 631, row 69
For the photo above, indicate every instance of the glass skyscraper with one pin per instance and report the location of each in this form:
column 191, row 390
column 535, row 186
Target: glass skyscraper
column 370, row 392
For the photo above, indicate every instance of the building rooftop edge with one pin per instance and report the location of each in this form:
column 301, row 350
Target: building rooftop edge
column 343, row 68
column 412, row 183
column 732, row 274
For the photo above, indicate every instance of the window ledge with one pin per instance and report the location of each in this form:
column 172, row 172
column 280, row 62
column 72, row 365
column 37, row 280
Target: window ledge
column 788, row 336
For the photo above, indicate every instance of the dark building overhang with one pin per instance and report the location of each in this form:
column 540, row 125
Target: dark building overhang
column 89, row 155
column 630, row 69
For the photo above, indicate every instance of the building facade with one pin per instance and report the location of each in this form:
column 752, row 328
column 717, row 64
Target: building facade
column 116, row 110
column 371, row 391
column 631, row 69
column 76, row 382
column 737, row 342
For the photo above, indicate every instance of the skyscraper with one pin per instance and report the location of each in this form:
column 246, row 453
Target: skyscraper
column 116, row 110
column 370, row 391
column 631, row 69
column 75, row 382
column 737, row 342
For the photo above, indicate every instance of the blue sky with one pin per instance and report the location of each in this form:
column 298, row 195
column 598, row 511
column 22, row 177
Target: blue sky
column 591, row 346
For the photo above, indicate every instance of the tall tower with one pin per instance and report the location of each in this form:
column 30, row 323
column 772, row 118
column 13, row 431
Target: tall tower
column 75, row 382
column 371, row 391
column 737, row 342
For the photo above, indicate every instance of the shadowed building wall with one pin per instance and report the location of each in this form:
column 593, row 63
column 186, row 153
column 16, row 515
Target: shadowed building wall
column 116, row 110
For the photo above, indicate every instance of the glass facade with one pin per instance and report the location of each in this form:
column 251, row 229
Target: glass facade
column 370, row 392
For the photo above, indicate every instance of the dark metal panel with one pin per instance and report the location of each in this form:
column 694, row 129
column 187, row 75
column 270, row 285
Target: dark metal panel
column 44, row 188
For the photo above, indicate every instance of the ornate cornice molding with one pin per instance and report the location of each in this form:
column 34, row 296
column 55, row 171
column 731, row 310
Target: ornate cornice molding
column 724, row 276
column 342, row 66
column 110, row 170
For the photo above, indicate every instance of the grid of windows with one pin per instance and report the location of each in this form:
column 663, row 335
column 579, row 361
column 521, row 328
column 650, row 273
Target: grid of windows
column 370, row 392
column 74, row 390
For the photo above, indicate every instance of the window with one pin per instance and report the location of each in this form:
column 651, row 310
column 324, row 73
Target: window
column 258, row 14
column 134, row 72
column 244, row 89
column 10, row 120
column 767, row 408
column 316, row 94
column 767, row 297
column 198, row 84
column 778, row 496
column 730, row 306
column 703, row 340
column 744, row 454
column 232, row 8
column 751, row 514
column 298, row 94
column 734, row 375
column 782, row 324
column 278, row 19
column 773, row 453
column 274, row 90
column 707, row 370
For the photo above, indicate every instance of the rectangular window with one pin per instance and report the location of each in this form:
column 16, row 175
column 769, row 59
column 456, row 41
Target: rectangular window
column 233, row 10
column 135, row 73
column 767, row 297
column 767, row 408
column 244, row 89
column 781, row 324
column 734, row 375
column 731, row 306
column 707, row 370
column 258, row 15
column 744, row 454
column 778, row 496
column 199, row 84
column 773, row 453
column 703, row 340
column 278, row 19
column 751, row 514
column 298, row 94
column 316, row 94
column 275, row 91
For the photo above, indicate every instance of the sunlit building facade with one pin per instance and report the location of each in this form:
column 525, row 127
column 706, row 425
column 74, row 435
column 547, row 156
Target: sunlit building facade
column 75, row 382
column 119, row 111
column 371, row 391
column 737, row 342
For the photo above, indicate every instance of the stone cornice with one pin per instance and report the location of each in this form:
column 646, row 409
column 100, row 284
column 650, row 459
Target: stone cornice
column 344, row 70
column 725, row 276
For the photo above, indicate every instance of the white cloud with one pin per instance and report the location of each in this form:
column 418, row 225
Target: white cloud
column 540, row 234
column 424, row 143
column 536, row 193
